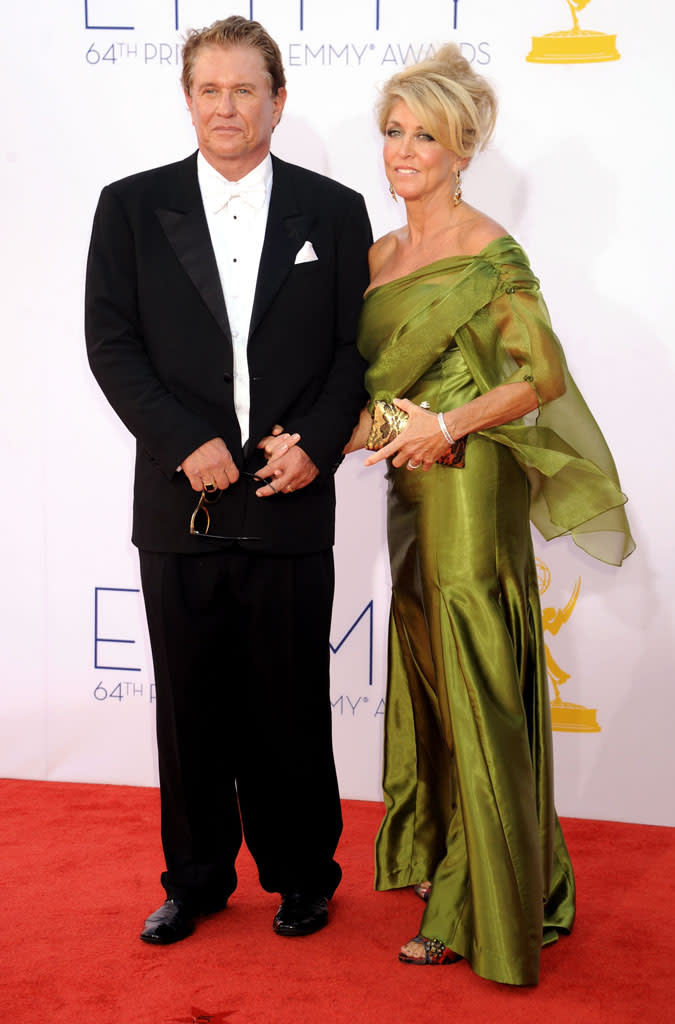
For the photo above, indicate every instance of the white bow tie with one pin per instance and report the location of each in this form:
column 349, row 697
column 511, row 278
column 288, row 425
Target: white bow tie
column 253, row 194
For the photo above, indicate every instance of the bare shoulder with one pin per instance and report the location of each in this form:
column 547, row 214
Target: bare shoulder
column 479, row 231
column 381, row 252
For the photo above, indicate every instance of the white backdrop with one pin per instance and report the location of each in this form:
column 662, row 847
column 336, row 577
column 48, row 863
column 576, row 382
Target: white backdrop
column 580, row 171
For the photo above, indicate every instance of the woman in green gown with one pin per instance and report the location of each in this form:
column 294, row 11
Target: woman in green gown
column 458, row 338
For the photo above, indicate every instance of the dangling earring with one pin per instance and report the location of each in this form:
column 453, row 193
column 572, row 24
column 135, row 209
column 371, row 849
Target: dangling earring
column 457, row 194
column 393, row 193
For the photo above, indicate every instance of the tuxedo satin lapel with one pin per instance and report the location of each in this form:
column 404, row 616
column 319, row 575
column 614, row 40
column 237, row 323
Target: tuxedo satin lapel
column 184, row 224
column 286, row 231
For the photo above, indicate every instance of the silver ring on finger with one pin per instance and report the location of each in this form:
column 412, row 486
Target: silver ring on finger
column 413, row 465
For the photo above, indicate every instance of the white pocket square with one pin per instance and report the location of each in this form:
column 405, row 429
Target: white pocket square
column 306, row 254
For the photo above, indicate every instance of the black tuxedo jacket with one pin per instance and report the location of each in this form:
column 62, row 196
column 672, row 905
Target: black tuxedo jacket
column 159, row 345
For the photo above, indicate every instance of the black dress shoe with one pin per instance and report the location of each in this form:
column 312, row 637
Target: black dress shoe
column 171, row 922
column 300, row 914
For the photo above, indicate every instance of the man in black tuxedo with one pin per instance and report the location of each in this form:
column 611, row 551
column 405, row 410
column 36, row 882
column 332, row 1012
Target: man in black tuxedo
column 222, row 298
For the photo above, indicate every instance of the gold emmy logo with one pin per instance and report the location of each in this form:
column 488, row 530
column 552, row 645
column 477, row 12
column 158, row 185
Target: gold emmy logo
column 576, row 46
column 565, row 717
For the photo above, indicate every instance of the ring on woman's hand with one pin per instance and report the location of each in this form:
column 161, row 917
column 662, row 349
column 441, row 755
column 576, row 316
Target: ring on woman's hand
column 209, row 488
column 270, row 484
column 289, row 490
column 413, row 465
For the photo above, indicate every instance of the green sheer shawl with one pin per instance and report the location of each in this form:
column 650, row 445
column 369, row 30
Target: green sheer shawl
column 491, row 307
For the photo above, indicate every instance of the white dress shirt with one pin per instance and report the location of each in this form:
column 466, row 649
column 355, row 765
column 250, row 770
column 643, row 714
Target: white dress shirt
column 237, row 228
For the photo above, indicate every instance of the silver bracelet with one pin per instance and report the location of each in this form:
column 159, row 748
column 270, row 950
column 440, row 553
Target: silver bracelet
column 444, row 430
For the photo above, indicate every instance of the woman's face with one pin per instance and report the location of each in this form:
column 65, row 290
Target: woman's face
column 416, row 165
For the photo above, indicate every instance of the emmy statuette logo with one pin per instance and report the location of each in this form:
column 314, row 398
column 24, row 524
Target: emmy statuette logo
column 565, row 717
column 576, row 46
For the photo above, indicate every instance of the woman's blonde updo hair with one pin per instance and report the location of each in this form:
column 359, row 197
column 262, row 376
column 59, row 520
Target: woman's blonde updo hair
column 453, row 103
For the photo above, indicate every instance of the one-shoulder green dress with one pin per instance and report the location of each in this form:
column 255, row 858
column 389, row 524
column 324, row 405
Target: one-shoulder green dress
column 468, row 777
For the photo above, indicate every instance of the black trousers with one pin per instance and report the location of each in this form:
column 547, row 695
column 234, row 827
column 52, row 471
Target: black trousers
column 240, row 645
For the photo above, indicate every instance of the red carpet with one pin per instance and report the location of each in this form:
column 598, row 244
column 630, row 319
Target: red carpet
column 80, row 868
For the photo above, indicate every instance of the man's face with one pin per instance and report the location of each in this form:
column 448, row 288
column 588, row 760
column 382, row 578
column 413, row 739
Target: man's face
column 232, row 108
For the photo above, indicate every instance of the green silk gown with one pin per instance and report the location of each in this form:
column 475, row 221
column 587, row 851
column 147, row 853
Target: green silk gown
column 468, row 775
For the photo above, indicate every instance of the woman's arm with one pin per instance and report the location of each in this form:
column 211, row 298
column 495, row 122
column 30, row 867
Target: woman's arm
column 502, row 404
column 423, row 441
column 360, row 432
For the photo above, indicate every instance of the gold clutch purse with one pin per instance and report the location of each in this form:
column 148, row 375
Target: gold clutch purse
column 389, row 421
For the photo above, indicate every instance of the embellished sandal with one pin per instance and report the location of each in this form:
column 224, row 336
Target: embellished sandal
column 435, row 952
column 423, row 890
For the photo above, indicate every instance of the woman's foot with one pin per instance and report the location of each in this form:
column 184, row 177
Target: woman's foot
column 423, row 890
column 421, row 950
